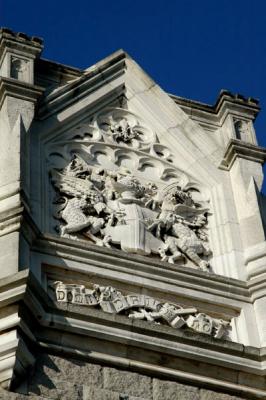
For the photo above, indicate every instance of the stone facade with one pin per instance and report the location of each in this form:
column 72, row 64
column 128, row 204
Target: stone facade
column 132, row 235
column 57, row 378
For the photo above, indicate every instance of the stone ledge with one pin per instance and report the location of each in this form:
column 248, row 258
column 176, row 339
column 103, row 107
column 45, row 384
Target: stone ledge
column 238, row 148
column 139, row 267
column 87, row 84
column 20, row 37
column 211, row 116
column 18, row 89
column 136, row 345
column 90, row 322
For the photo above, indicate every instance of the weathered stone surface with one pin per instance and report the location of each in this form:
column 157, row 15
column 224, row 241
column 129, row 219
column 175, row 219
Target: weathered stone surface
column 163, row 390
column 210, row 395
column 119, row 385
column 55, row 369
column 125, row 397
column 5, row 395
column 99, row 394
column 132, row 384
column 57, row 390
column 131, row 398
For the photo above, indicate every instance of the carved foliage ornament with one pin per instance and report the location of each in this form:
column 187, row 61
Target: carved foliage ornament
column 111, row 300
column 119, row 127
column 122, row 129
column 115, row 208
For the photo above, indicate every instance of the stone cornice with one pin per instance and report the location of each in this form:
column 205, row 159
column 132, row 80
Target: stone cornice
column 214, row 115
column 20, row 90
column 31, row 45
column 159, row 278
column 10, row 220
column 91, row 80
column 237, row 148
column 224, row 96
column 76, row 330
column 15, row 356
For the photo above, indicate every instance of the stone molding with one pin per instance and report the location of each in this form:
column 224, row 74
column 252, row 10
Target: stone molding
column 13, row 40
column 108, row 73
column 157, row 273
column 10, row 220
column 68, row 327
column 20, row 90
column 15, row 356
column 17, row 55
column 236, row 148
column 211, row 117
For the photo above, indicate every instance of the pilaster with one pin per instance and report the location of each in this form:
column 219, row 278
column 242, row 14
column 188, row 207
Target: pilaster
column 18, row 97
column 244, row 162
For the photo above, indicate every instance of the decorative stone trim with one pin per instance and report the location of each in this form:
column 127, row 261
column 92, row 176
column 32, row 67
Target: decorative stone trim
column 142, row 307
column 20, row 90
column 236, row 148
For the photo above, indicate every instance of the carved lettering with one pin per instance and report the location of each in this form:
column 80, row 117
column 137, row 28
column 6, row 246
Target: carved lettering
column 151, row 303
column 90, row 299
column 135, row 300
column 135, row 306
column 60, row 295
column 120, row 304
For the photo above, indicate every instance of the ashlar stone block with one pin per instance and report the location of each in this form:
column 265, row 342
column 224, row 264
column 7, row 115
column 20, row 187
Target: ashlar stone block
column 57, row 390
column 210, row 395
column 163, row 390
column 57, row 369
column 129, row 383
column 5, row 395
column 94, row 393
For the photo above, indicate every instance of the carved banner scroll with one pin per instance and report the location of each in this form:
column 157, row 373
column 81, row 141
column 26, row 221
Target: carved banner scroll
column 142, row 307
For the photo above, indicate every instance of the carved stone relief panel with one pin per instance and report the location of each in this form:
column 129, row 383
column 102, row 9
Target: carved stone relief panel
column 142, row 307
column 116, row 186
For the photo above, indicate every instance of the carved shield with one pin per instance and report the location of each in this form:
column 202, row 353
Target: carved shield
column 134, row 236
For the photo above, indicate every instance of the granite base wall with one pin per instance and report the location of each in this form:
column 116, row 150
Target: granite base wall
column 57, row 378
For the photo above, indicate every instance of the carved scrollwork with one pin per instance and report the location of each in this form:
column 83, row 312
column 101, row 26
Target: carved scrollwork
column 142, row 307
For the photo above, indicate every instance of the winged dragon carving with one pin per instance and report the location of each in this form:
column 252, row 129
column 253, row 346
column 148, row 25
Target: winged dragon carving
column 115, row 209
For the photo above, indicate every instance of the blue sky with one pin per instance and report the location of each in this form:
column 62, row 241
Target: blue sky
column 192, row 48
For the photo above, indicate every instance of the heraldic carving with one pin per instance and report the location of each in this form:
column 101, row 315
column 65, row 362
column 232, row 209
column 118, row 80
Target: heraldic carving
column 142, row 307
column 114, row 207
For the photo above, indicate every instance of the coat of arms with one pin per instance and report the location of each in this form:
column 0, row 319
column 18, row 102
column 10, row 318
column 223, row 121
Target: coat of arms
column 115, row 209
